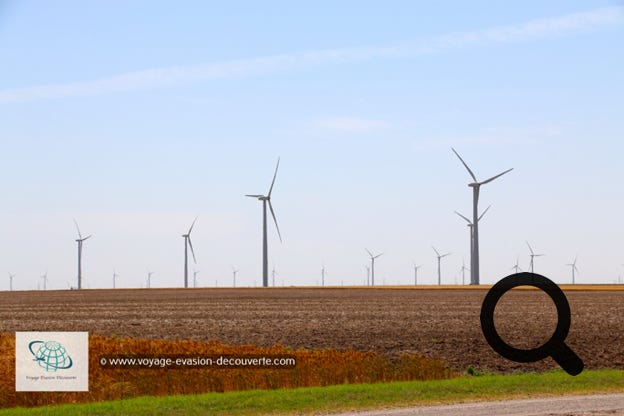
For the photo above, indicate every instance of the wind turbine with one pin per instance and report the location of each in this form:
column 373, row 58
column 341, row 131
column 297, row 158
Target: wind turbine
column 415, row 273
column 471, row 231
column 323, row 275
column 149, row 279
column 80, row 240
column 463, row 272
column 187, row 244
column 532, row 256
column 574, row 268
column 476, row 185
column 115, row 276
column 515, row 267
column 265, row 250
column 11, row 276
column 45, row 280
column 373, row 257
column 367, row 275
column 440, row 257
column 195, row 272
column 273, row 273
column 234, row 271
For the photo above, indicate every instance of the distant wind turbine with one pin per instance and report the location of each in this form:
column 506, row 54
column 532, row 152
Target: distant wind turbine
column 80, row 240
column 187, row 244
column 265, row 251
column 415, row 273
column 45, row 280
column 476, row 185
column 367, row 275
column 195, row 272
column 115, row 276
column 11, row 276
column 515, row 267
column 463, row 272
column 373, row 257
column 149, row 279
column 574, row 268
column 440, row 257
column 532, row 256
column 273, row 273
column 234, row 271
column 323, row 275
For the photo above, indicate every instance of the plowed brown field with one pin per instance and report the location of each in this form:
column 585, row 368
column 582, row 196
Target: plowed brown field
column 440, row 324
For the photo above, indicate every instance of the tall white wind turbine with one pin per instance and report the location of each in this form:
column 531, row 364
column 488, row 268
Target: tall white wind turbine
column 373, row 257
column 11, row 276
column 266, row 199
column 80, row 240
column 440, row 257
column 416, row 272
column 515, row 267
column 574, row 268
column 234, row 272
column 476, row 185
column 533, row 255
column 115, row 276
column 187, row 244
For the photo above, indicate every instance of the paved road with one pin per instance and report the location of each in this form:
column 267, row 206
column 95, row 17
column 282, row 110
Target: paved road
column 590, row 405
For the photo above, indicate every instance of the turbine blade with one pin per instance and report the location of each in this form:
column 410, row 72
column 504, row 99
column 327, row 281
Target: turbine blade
column 483, row 213
column 369, row 253
column 494, row 177
column 275, row 220
column 444, row 255
column 87, row 237
column 77, row 228
column 192, row 251
column 464, row 163
column 192, row 225
column 378, row 255
column 255, row 196
column 530, row 249
column 274, row 176
column 469, row 222
column 436, row 251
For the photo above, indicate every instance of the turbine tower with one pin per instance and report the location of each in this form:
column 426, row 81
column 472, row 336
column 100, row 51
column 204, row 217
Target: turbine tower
column 515, row 267
column 471, row 232
column 11, row 276
column 463, row 272
column 234, row 272
column 574, row 268
column 416, row 272
column 45, row 280
column 476, row 185
column 187, row 244
column 80, row 240
column 273, row 273
column 372, row 269
column 149, row 279
column 265, row 251
column 367, row 275
column 440, row 257
column 532, row 256
column 323, row 275
column 115, row 276
column 195, row 272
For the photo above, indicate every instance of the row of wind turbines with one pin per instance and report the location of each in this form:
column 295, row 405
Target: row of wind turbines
column 473, row 226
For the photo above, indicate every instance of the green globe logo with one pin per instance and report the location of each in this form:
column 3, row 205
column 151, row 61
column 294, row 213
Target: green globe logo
column 50, row 355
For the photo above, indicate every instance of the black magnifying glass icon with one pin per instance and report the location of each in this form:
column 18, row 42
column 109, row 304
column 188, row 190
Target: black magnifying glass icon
column 555, row 347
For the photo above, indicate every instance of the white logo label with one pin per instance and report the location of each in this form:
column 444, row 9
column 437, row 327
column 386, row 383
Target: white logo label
column 51, row 361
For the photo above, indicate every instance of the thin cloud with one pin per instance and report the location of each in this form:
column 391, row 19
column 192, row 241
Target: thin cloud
column 184, row 75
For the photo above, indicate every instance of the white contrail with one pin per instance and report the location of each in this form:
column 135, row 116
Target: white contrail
column 181, row 75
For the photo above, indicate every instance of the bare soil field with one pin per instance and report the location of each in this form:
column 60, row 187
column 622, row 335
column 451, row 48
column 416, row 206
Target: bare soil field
column 440, row 324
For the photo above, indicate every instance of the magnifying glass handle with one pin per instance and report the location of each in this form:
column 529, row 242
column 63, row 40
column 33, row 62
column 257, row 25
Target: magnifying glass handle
column 567, row 359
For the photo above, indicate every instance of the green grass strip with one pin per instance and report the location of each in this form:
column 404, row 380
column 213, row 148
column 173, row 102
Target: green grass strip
column 347, row 397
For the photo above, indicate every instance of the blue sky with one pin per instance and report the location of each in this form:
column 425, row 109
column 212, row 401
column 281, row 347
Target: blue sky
column 134, row 117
